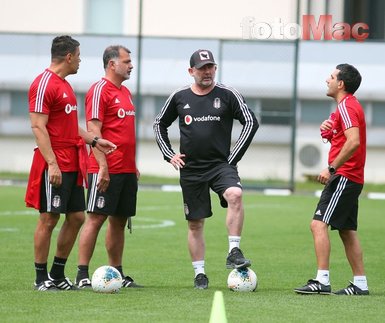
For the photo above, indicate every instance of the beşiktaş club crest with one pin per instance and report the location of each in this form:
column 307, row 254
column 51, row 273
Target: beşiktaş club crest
column 101, row 202
column 186, row 210
column 217, row 103
column 56, row 201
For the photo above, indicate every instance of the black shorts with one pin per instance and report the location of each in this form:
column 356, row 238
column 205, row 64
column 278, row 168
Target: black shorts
column 118, row 200
column 338, row 204
column 68, row 197
column 196, row 189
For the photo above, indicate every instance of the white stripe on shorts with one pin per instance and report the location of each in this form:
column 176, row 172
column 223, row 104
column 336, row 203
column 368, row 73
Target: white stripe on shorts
column 334, row 199
column 48, row 191
column 92, row 193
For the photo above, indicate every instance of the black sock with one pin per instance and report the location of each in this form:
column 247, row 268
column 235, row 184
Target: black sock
column 82, row 273
column 41, row 272
column 57, row 269
column 120, row 269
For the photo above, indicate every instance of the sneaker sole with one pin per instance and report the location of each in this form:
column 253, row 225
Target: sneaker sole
column 312, row 293
column 133, row 285
column 351, row 294
column 83, row 287
column 67, row 289
column 233, row 266
column 51, row 290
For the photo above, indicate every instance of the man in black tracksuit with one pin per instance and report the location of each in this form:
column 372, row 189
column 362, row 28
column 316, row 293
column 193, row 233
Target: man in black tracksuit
column 206, row 111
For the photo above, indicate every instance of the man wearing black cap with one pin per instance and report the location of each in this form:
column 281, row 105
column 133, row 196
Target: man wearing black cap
column 206, row 111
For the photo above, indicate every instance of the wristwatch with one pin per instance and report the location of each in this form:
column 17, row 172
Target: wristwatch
column 94, row 141
column 332, row 170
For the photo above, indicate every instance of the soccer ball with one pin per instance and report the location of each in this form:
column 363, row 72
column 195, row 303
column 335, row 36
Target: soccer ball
column 106, row 279
column 242, row 280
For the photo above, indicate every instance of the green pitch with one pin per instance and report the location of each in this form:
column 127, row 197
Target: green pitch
column 276, row 237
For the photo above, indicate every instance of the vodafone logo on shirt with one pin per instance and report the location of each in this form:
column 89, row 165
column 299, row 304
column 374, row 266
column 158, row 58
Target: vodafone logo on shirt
column 123, row 113
column 188, row 119
column 69, row 108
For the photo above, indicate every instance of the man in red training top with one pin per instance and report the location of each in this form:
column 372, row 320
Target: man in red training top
column 113, row 179
column 343, row 180
column 59, row 164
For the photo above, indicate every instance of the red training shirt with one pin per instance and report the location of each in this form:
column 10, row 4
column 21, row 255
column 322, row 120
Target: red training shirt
column 114, row 108
column 50, row 94
column 349, row 114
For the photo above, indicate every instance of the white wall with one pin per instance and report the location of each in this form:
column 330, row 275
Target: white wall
column 42, row 16
column 203, row 18
column 170, row 18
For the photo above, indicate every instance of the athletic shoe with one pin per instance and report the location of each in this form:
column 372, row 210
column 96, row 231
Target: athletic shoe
column 128, row 282
column 236, row 260
column 351, row 290
column 64, row 284
column 84, row 283
column 201, row 281
column 46, row 286
column 314, row 287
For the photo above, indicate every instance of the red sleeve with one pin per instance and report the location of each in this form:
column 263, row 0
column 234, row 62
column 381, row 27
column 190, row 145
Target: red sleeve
column 40, row 94
column 94, row 102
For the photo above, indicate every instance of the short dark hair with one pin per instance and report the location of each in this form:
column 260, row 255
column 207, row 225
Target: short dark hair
column 62, row 45
column 112, row 52
column 350, row 76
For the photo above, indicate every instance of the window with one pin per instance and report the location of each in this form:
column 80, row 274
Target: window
column 275, row 111
column 19, row 104
column 378, row 114
column 314, row 111
column 81, row 101
column 253, row 105
column 370, row 12
column 104, row 17
column 159, row 103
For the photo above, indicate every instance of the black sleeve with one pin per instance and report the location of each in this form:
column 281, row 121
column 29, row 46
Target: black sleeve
column 250, row 126
column 164, row 119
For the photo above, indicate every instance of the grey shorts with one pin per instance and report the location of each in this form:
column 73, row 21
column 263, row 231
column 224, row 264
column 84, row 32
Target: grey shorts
column 196, row 187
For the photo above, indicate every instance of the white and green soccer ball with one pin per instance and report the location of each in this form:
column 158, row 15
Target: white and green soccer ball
column 106, row 279
column 242, row 280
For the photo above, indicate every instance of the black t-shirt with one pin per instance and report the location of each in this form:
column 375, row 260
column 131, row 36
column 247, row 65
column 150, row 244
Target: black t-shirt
column 205, row 124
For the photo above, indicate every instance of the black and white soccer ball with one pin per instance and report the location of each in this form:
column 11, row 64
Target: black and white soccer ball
column 106, row 279
column 242, row 280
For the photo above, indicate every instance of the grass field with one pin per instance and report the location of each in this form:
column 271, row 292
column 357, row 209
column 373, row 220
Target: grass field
column 276, row 237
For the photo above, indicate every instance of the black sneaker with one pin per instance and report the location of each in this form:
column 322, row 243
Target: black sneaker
column 128, row 282
column 236, row 260
column 314, row 287
column 84, row 283
column 201, row 281
column 351, row 290
column 46, row 286
column 64, row 284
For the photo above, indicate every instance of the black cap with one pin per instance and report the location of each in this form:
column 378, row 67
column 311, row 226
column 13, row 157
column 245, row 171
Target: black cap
column 201, row 57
